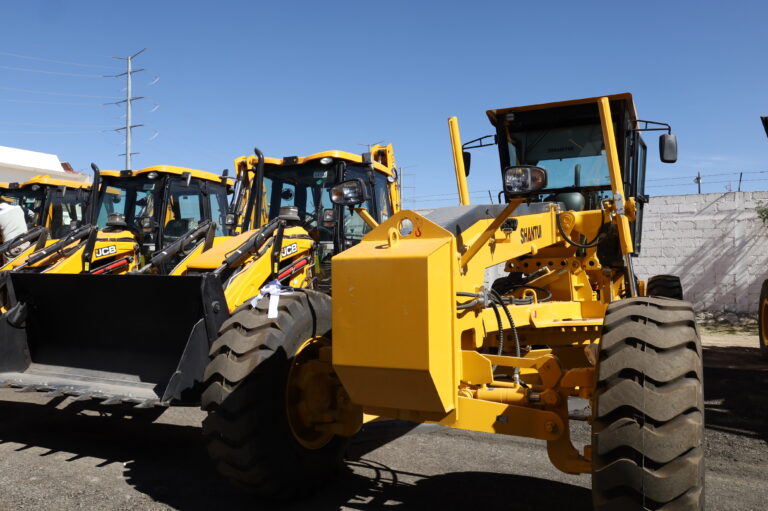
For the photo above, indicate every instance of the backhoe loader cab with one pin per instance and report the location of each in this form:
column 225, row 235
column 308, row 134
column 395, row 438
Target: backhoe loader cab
column 304, row 185
column 58, row 204
column 159, row 204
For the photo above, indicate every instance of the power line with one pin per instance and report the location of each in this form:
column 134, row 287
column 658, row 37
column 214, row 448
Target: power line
column 41, row 59
column 35, row 125
column 34, row 101
column 13, row 132
column 60, row 73
column 709, row 175
column 27, row 91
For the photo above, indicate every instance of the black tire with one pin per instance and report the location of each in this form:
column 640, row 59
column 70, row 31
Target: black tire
column 665, row 286
column 648, row 427
column 247, row 429
column 762, row 319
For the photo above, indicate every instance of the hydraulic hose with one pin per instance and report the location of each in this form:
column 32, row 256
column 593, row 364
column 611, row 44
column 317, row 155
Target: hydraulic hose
column 512, row 325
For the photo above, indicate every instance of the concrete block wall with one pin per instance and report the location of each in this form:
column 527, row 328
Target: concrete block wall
column 715, row 242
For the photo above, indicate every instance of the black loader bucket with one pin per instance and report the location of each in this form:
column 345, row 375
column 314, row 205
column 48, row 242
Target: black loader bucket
column 134, row 339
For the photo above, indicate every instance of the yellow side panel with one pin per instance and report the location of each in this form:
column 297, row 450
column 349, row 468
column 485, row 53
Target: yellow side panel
column 392, row 321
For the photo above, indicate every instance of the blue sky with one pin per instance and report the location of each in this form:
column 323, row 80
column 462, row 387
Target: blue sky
column 301, row 77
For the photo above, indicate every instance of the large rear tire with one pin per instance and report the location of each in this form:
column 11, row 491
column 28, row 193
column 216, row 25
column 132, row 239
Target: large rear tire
column 648, row 427
column 253, row 435
column 665, row 286
column 762, row 322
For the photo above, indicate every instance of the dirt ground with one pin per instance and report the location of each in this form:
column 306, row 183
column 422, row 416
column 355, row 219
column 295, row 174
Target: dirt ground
column 51, row 458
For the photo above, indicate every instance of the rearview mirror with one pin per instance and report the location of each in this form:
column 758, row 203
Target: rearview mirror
column 467, row 156
column 668, row 148
column 765, row 124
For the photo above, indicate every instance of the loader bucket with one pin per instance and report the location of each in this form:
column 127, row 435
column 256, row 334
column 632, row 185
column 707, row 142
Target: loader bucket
column 141, row 339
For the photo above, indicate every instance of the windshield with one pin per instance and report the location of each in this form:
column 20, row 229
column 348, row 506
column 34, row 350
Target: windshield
column 133, row 198
column 65, row 211
column 307, row 188
column 573, row 156
column 30, row 199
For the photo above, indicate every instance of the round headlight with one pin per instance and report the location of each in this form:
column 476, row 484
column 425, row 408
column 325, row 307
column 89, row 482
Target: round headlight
column 326, row 160
column 152, row 175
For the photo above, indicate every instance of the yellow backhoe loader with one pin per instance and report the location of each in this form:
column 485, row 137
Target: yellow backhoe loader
column 285, row 229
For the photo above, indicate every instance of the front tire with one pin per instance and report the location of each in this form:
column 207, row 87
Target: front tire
column 762, row 322
column 648, row 427
column 253, row 431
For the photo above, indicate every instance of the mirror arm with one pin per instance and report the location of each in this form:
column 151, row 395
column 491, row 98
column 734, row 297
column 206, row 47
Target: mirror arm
column 367, row 218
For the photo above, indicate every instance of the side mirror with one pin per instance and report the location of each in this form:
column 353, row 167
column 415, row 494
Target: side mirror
column 668, row 148
column 765, row 124
column 467, row 156
column 349, row 193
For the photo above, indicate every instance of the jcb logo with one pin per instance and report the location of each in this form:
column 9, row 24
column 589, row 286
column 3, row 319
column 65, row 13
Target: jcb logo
column 289, row 249
column 105, row 251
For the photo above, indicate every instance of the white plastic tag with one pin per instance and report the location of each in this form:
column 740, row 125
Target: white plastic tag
column 274, row 300
column 274, row 289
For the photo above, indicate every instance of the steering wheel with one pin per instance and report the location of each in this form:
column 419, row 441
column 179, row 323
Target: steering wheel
column 309, row 219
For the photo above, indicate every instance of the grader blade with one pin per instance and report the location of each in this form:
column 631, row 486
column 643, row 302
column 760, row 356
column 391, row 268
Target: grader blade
column 137, row 339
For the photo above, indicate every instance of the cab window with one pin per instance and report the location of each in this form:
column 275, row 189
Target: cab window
column 354, row 226
column 382, row 197
column 185, row 208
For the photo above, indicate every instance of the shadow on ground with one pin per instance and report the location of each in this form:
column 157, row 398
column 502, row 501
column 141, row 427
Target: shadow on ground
column 169, row 464
column 736, row 391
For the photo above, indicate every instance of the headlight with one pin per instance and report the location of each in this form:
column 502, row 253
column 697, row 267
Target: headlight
column 349, row 193
column 152, row 175
column 522, row 179
column 326, row 160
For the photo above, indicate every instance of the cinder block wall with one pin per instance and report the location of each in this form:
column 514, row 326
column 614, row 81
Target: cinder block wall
column 715, row 242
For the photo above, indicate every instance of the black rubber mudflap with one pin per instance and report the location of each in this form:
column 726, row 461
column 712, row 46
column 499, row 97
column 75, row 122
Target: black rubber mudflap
column 114, row 335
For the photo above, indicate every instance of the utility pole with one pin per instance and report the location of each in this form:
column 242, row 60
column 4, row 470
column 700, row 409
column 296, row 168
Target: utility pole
column 129, row 99
column 697, row 180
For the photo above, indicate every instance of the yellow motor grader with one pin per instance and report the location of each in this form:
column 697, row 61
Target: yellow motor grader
column 568, row 320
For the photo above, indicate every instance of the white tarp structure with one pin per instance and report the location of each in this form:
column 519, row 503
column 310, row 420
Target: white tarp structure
column 19, row 165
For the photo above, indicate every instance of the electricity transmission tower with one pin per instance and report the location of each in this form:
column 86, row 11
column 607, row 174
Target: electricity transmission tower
column 129, row 99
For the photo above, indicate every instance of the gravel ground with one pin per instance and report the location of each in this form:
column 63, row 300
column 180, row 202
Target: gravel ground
column 51, row 458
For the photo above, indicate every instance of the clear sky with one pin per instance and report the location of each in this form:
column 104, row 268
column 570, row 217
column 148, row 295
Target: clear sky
column 294, row 78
